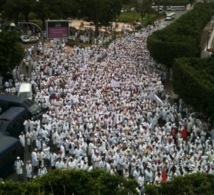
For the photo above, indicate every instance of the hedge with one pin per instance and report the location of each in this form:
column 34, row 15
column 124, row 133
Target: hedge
column 193, row 80
column 182, row 37
column 192, row 184
column 70, row 182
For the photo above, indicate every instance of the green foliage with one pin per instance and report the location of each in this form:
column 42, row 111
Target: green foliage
column 192, row 78
column 11, row 52
column 197, row 77
column 181, row 38
column 2, row 2
column 76, row 182
column 73, row 43
column 129, row 17
column 172, row 2
column 149, row 19
column 11, row 10
column 193, row 184
column 144, row 7
column 17, row 188
column 101, row 12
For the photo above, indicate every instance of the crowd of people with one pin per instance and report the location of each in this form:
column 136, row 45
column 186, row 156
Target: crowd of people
column 107, row 108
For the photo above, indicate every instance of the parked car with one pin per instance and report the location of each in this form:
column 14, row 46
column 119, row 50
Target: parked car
column 29, row 39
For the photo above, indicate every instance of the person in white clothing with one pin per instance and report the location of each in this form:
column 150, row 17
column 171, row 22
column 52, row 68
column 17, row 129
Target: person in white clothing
column 29, row 170
column 29, row 139
column 35, row 161
column 46, row 151
column 34, row 137
column 140, row 182
column 41, row 157
column 148, row 175
column 136, row 173
column 26, row 125
column 22, row 138
column 53, row 158
column 102, row 164
column 62, row 151
column 42, row 171
column 59, row 164
column 96, row 159
column 70, row 164
column 18, row 165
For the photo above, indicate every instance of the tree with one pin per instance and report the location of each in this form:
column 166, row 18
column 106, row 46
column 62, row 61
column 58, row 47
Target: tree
column 11, row 52
column 55, row 9
column 145, row 7
column 26, row 7
column 2, row 2
column 100, row 12
column 189, row 184
column 11, row 10
column 67, row 8
column 77, row 182
column 178, row 39
column 42, row 9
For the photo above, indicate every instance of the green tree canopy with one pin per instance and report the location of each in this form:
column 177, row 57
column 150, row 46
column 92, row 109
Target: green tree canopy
column 11, row 10
column 193, row 184
column 143, row 7
column 2, row 2
column 76, row 182
column 100, row 12
column 11, row 52
column 182, row 37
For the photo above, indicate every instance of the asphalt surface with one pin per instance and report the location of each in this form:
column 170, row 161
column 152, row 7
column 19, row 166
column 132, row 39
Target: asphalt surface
column 13, row 176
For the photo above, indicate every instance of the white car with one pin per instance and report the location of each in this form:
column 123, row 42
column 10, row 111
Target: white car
column 29, row 39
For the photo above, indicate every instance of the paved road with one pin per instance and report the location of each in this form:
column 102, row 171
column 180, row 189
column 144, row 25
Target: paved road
column 178, row 14
column 13, row 175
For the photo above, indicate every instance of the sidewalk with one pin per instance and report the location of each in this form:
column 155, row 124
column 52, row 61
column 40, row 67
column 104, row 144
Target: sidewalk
column 84, row 24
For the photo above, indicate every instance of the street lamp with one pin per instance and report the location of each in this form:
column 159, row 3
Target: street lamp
column 12, row 26
column 33, row 24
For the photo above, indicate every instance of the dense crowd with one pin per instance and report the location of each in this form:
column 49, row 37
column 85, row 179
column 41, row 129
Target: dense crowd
column 107, row 108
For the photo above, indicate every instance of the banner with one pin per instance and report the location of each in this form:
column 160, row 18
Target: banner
column 115, row 84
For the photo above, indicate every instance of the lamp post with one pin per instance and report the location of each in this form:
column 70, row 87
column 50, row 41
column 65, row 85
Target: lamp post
column 12, row 26
column 33, row 24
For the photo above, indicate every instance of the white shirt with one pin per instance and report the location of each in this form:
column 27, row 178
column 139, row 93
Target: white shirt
column 29, row 169
column 18, row 166
column 46, row 151
column 136, row 174
column 35, row 161
column 22, row 139
column 53, row 157
column 140, row 180
column 42, row 171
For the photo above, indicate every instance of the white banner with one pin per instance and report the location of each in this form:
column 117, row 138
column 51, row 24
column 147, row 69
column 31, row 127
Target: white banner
column 154, row 97
column 115, row 83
